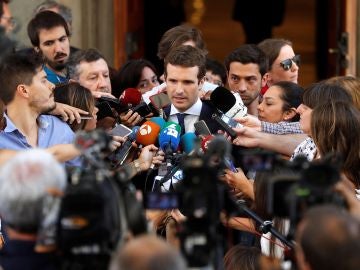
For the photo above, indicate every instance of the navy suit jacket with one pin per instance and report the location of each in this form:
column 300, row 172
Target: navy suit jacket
column 206, row 114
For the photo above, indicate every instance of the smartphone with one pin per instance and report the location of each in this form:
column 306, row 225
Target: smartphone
column 86, row 117
column 160, row 100
column 201, row 128
column 225, row 126
column 142, row 109
column 163, row 201
column 104, row 110
column 120, row 130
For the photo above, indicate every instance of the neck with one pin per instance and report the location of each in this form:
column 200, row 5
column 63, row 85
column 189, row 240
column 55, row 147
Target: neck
column 25, row 120
column 58, row 72
column 252, row 107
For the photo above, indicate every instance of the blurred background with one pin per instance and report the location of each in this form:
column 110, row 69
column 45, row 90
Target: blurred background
column 324, row 32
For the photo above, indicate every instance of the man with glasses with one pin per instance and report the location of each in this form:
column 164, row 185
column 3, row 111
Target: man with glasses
column 6, row 19
column 246, row 67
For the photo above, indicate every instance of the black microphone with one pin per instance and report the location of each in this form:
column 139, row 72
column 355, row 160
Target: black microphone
column 228, row 103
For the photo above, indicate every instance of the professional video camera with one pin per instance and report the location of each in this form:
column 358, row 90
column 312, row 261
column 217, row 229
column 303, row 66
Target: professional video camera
column 98, row 208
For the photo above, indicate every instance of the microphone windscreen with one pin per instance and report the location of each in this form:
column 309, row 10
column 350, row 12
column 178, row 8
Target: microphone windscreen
column 132, row 135
column 169, row 136
column 130, row 96
column 222, row 99
column 158, row 120
column 173, row 125
column 205, row 142
column 188, row 142
column 147, row 133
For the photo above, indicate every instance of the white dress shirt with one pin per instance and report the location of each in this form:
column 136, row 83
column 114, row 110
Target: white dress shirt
column 191, row 118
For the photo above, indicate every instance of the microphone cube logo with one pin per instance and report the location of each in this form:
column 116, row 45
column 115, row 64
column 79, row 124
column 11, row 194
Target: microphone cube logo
column 145, row 129
column 171, row 132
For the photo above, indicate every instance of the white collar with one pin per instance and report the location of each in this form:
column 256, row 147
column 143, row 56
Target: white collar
column 195, row 109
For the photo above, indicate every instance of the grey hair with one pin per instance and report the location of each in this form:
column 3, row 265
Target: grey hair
column 64, row 11
column 24, row 182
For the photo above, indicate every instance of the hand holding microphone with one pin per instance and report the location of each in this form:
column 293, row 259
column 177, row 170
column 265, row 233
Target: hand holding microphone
column 131, row 97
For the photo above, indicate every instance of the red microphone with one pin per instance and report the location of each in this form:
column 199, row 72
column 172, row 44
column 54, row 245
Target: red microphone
column 148, row 133
column 130, row 96
column 205, row 142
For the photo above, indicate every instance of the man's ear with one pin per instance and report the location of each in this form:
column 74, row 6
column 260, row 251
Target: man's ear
column 265, row 79
column 22, row 90
column 289, row 114
column 201, row 83
column 72, row 81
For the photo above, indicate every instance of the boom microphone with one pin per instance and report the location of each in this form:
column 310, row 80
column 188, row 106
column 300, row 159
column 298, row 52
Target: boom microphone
column 130, row 96
column 229, row 104
column 148, row 133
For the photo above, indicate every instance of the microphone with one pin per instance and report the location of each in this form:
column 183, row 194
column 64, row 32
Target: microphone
column 205, row 142
column 130, row 96
column 188, row 142
column 158, row 120
column 228, row 103
column 147, row 133
column 169, row 140
column 120, row 154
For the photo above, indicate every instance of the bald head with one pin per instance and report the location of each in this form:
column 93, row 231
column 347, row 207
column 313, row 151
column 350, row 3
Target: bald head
column 148, row 252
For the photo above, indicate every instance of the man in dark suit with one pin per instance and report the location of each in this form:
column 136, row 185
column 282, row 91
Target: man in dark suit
column 184, row 75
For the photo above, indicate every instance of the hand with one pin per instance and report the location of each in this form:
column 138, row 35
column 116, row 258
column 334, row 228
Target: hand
column 177, row 215
column 250, row 121
column 204, row 95
column 146, row 156
column 116, row 142
column 130, row 118
column 239, row 182
column 247, row 137
column 158, row 158
column 98, row 94
column 347, row 191
column 68, row 113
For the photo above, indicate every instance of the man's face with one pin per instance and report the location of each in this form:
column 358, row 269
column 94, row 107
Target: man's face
column 182, row 86
column 41, row 96
column 95, row 76
column 245, row 79
column 54, row 45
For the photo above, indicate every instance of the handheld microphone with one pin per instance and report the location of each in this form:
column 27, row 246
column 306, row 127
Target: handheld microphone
column 130, row 96
column 205, row 142
column 158, row 120
column 228, row 103
column 188, row 142
column 169, row 140
column 118, row 157
column 148, row 133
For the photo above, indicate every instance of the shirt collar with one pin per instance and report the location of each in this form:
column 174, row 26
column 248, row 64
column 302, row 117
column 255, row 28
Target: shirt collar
column 10, row 126
column 195, row 109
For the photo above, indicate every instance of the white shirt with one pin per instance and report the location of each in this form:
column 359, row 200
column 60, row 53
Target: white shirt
column 191, row 118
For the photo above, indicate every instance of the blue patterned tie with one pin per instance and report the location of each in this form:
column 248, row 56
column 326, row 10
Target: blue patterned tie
column 181, row 118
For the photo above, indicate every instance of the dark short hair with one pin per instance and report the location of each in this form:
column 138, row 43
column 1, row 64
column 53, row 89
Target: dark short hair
column 216, row 68
column 16, row 69
column 322, row 92
column 177, row 36
column 130, row 73
column 291, row 96
column 88, row 56
column 187, row 56
column 248, row 54
column 272, row 47
column 64, row 11
column 45, row 20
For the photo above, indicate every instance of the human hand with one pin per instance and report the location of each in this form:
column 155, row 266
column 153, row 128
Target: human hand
column 247, row 137
column 146, row 156
column 116, row 142
column 68, row 113
column 347, row 191
column 240, row 183
column 130, row 118
column 98, row 94
column 158, row 158
column 250, row 121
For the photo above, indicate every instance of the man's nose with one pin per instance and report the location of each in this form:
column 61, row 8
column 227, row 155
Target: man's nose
column 58, row 46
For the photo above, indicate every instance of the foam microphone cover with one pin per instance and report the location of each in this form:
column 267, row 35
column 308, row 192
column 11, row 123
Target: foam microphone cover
column 172, row 125
column 205, row 142
column 130, row 96
column 169, row 137
column 132, row 135
column 158, row 120
column 148, row 133
column 188, row 142
column 222, row 99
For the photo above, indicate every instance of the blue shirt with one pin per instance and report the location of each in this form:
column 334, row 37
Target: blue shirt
column 51, row 131
column 53, row 77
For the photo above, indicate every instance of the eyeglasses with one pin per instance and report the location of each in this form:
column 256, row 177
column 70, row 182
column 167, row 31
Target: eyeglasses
column 287, row 63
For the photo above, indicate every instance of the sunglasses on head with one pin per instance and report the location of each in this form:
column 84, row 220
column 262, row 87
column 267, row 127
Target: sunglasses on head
column 287, row 63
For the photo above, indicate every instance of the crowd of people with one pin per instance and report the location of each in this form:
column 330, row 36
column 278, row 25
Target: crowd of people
column 53, row 91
